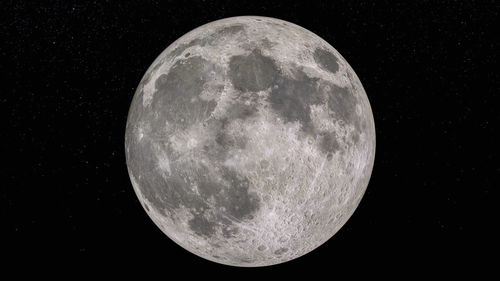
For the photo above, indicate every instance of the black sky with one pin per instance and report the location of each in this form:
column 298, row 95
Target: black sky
column 429, row 68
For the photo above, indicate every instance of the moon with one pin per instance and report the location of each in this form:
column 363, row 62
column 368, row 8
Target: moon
column 250, row 141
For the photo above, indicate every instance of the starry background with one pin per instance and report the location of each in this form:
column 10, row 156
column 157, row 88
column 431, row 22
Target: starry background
column 70, row 69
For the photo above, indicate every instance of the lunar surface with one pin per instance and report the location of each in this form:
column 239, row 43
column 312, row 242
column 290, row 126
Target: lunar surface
column 250, row 141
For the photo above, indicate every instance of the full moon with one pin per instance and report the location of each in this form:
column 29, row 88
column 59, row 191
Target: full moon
column 250, row 141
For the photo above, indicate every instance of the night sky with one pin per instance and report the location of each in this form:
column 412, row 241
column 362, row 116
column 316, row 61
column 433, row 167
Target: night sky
column 70, row 71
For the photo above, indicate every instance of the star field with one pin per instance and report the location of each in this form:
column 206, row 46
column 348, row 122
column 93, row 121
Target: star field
column 71, row 69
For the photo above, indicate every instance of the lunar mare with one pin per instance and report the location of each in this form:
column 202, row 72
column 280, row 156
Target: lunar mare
column 250, row 141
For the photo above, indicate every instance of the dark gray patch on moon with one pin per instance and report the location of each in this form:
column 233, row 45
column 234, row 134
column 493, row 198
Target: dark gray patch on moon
column 214, row 149
column 342, row 103
column 355, row 137
column 329, row 142
column 202, row 226
column 177, row 93
column 237, row 200
column 245, row 260
column 267, row 44
column 228, row 141
column 281, row 251
column 225, row 140
column 142, row 162
column 240, row 110
column 232, row 200
column 292, row 98
column 326, row 60
column 253, row 72
column 329, row 156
